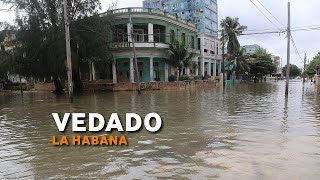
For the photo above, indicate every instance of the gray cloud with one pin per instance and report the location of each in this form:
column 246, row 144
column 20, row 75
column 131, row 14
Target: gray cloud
column 303, row 13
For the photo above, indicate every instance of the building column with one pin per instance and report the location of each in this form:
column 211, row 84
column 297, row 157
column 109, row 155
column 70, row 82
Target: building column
column 202, row 66
column 150, row 32
column 215, row 68
column 188, row 71
column 131, row 71
column 197, row 70
column 209, row 68
column 166, row 72
column 129, row 32
column 93, row 72
column 151, row 69
column 220, row 68
column 202, row 55
column 114, row 71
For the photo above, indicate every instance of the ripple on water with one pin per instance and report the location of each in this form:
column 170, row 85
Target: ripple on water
column 250, row 131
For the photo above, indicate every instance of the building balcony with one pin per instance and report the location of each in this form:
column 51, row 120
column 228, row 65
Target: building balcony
column 157, row 12
column 139, row 45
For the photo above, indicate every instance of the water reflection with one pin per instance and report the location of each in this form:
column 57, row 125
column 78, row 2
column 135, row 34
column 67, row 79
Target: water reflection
column 250, row 131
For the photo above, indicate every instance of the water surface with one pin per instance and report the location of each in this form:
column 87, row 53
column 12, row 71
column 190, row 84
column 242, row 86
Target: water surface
column 250, row 131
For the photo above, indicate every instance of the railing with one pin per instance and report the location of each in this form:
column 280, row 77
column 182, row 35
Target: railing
column 137, row 10
column 140, row 45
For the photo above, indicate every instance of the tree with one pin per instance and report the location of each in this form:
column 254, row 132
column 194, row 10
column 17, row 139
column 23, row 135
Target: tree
column 294, row 70
column 261, row 65
column 180, row 56
column 312, row 67
column 241, row 63
column 232, row 29
column 40, row 34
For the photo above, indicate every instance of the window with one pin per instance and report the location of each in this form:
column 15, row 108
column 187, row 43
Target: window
column 217, row 48
column 211, row 52
column 205, row 50
column 140, row 68
column 172, row 36
column 121, row 36
column 138, row 35
column 2, row 47
column 174, row 6
column 183, row 38
column 199, row 43
column 192, row 42
column 156, row 35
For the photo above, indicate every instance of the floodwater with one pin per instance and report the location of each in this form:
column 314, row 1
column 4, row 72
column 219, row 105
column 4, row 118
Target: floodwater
column 250, row 131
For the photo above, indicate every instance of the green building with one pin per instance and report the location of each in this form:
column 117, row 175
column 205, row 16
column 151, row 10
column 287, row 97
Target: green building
column 153, row 30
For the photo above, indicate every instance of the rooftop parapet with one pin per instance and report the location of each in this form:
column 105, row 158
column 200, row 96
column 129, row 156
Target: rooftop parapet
column 157, row 12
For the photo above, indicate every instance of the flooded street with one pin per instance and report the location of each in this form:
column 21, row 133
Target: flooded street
column 250, row 131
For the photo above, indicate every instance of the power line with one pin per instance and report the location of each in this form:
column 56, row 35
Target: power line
column 296, row 49
column 265, row 15
column 267, row 29
column 271, row 13
column 258, row 33
column 11, row 10
column 307, row 29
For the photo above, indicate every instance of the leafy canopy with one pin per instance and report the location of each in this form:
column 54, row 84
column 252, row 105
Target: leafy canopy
column 294, row 70
column 232, row 29
column 180, row 56
column 40, row 35
column 261, row 65
column 312, row 67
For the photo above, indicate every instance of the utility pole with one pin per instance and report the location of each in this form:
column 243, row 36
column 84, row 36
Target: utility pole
column 68, row 51
column 223, row 44
column 281, row 68
column 134, row 54
column 288, row 51
column 304, row 67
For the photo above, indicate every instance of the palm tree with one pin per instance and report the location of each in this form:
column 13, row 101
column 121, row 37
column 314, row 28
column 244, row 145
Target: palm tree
column 180, row 56
column 232, row 29
column 241, row 63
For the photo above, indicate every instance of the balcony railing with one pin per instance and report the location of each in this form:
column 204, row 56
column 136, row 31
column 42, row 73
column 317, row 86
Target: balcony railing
column 155, row 40
column 139, row 10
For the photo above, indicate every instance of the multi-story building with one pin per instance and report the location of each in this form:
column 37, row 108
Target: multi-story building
column 153, row 31
column 204, row 14
column 251, row 49
column 277, row 61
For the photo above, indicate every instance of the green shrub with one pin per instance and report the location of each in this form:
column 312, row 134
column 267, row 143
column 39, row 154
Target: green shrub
column 197, row 77
column 185, row 78
column 172, row 78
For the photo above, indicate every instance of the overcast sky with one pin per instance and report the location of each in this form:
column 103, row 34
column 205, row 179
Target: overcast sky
column 303, row 13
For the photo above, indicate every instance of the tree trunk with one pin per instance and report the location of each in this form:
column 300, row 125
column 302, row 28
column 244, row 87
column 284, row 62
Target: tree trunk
column 78, row 86
column 255, row 78
column 21, row 90
column 57, row 85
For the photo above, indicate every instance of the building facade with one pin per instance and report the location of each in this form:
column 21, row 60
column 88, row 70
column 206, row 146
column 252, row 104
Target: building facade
column 277, row 61
column 204, row 14
column 251, row 49
column 153, row 31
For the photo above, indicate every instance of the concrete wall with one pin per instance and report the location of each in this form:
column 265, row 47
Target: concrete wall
column 48, row 86
column 101, row 86
column 44, row 86
column 152, row 85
